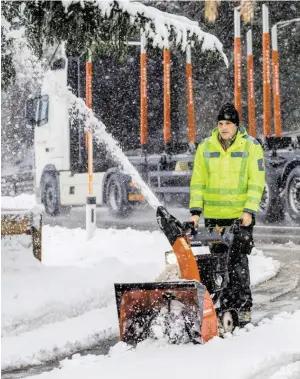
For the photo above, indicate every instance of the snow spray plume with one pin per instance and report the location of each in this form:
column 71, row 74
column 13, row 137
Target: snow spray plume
column 99, row 131
column 91, row 122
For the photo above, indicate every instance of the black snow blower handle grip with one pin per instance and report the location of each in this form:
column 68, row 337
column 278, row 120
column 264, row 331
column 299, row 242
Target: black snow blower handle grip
column 189, row 226
column 171, row 227
column 229, row 234
column 236, row 226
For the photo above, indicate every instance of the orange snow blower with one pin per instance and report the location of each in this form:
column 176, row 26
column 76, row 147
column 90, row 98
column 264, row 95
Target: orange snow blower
column 183, row 310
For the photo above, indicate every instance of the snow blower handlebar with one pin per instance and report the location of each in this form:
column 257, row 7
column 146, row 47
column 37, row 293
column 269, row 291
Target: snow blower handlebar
column 183, row 236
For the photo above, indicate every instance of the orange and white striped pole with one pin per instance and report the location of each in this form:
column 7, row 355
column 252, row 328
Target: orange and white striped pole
column 276, row 83
column 167, row 100
column 266, row 73
column 143, row 93
column 91, row 200
column 190, row 98
column 250, row 86
column 237, row 62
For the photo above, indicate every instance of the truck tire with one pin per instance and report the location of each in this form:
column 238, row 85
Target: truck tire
column 117, row 197
column 292, row 199
column 50, row 194
column 271, row 207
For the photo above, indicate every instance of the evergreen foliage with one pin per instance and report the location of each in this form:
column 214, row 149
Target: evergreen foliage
column 83, row 26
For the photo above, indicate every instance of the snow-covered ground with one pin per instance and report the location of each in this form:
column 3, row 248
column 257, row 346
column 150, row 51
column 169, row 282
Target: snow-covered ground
column 67, row 303
column 24, row 201
column 271, row 350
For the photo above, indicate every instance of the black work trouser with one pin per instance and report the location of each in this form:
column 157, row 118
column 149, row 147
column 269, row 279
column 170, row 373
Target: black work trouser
column 238, row 295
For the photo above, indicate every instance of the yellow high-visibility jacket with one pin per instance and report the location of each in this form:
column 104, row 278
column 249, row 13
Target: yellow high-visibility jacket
column 225, row 184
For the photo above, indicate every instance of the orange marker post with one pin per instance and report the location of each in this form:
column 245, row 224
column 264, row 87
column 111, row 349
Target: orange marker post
column 237, row 62
column 250, row 86
column 89, row 136
column 167, row 100
column 190, row 98
column 91, row 200
column 266, row 73
column 276, row 83
column 143, row 93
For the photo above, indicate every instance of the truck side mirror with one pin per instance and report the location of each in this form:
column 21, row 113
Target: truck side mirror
column 58, row 64
column 36, row 110
column 43, row 110
column 31, row 110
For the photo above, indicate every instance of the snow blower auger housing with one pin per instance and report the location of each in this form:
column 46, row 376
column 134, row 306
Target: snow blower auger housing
column 181, row 311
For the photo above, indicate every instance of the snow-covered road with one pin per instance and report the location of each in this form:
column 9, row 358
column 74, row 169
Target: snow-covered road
column 145, row 220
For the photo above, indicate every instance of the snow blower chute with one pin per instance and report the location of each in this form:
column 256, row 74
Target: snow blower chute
column 182, row 310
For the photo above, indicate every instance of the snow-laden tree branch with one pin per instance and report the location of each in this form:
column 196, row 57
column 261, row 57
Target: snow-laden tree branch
column 102, row 26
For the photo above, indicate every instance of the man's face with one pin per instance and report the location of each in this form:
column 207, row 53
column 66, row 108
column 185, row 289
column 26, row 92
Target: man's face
column 227, row 129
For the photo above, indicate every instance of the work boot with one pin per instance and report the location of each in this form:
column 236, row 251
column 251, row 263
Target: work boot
column 244, row 317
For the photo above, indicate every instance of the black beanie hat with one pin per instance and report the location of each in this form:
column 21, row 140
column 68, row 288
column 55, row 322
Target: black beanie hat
column 228, row 112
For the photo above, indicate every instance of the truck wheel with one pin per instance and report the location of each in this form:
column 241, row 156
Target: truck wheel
column 271, row 207
column 293, row 194
column 116, row 196
column 50, row 195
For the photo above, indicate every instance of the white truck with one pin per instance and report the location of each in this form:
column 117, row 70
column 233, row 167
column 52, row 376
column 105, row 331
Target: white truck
column 60, row 154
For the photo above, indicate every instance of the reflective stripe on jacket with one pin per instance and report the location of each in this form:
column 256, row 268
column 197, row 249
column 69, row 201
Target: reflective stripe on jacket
column 225, row 184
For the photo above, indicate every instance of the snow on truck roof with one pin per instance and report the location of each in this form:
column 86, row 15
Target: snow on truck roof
column 160, row 26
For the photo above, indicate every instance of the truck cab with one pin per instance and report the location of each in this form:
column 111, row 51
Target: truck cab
column 61, row 177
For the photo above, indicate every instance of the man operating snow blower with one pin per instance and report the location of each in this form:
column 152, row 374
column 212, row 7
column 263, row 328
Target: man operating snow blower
column 227, row 184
